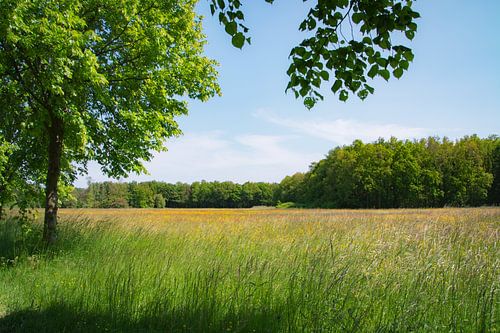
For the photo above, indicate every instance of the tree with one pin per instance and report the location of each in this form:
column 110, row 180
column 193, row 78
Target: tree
column 140, row 195
column 352, row 39
column 494, row 193
column 159, row 201
column 114, row 195
column 19, row 186
column 4, row 160
column 98, row 80
column 290, row 188
column 250, row 195
column 177, row 195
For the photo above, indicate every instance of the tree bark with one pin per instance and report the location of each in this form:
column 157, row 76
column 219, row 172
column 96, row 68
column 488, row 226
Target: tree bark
column 55, row 147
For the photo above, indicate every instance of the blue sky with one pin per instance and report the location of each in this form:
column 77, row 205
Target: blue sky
column 255, row 132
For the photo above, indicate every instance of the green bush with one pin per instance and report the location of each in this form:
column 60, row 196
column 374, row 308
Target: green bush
column 285, row 205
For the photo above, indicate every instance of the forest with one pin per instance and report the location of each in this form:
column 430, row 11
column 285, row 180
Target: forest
column 392, row 173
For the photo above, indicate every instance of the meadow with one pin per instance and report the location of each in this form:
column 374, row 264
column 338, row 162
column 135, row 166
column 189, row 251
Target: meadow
column 254, row 270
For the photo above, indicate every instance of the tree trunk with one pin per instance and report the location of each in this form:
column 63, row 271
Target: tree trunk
column 53, row 174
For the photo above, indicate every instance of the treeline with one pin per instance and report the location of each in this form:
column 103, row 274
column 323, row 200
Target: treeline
column 401, row 174
column 180, row 195
column 391, row 173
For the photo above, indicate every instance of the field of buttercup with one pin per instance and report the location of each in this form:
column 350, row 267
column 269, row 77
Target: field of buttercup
column 266, row 270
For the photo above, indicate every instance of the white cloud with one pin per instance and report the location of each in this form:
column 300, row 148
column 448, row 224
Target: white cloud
column 343, row 131
column 216, row 156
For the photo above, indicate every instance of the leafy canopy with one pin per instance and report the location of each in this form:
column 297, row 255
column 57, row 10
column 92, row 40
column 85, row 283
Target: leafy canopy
column 5, row 149
column 115, row 73
column 352, row 39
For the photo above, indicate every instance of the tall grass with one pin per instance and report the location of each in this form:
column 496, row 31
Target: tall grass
column 256, row 271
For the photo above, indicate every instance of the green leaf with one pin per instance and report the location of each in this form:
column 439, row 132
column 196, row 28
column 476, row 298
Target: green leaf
column 299, row 50
column 231, row 28
column 393, row 62
column 373, row 71
column 384, row 43
column 408, row 55
column 311, row 24
column 238, row 40
column 303, row 91
column 385, row 74
column 336, row 86
column 363, row 94
column 334, row 38
column 324, row 75
column 303, row 26
column 354, row 86
column 344, row 95
column 369, row 88
column 316, row 82
column 357, row 17
column 382, row 62
column 309, row 102
column 221, row 4
column 302, row 68
column 398, row 72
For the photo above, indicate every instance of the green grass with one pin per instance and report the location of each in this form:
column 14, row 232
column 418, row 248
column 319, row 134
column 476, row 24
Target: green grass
column 267, row 271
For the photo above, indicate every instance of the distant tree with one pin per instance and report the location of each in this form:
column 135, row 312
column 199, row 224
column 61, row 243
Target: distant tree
column 90, row 197
column 250, row 195
column 291, row 188
column 80, row 194
column 465, row 180
column 494, row 193
column 472, row 165
column 196, row 197
column 267, row 194
column 231, row 194
column 159, row 201
column 176, row 195
column 373, row 172
column 114, row 195
column 405, row 181
column 140, row 195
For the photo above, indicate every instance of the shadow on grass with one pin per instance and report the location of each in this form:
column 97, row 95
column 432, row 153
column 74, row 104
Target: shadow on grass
column 61, row 318
column 20, row 239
